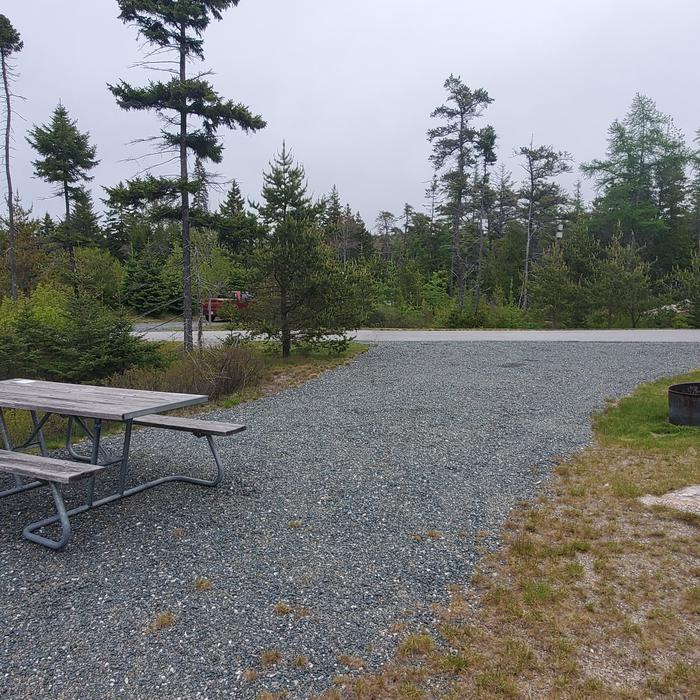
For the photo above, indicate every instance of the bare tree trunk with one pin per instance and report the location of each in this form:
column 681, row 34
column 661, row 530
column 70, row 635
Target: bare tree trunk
column 185, row 197
column 479, row 266
column 526, row 272
column 12, row 244
column 284, row 325
column 69, row 243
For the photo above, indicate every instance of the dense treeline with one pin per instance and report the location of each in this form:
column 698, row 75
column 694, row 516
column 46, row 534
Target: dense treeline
column 487, row 247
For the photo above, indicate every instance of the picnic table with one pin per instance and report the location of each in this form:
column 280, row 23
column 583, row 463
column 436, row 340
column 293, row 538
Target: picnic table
column 89, row 406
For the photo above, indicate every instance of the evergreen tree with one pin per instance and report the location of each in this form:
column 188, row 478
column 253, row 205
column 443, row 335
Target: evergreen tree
column 200, row 201
column 505, row 205
column 553, row 290
column 486, row 157
column 688, row 280
column 65, row 159
column 620, row 283
column 285, row 193
column 10, row 43
column 642, row 186
column 300, row 294
column 178, row 26
column 386, row 228
column 233, row 203
column 85, row 223
column 541, row 197
column 237, row 228
column 454, row 153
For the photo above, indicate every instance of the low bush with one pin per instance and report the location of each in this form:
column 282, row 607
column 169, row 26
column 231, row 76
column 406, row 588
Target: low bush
column 388, row 316
column 54, row 335
column 215, row 372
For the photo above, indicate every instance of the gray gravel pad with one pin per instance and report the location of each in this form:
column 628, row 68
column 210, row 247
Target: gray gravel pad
column 339, row 476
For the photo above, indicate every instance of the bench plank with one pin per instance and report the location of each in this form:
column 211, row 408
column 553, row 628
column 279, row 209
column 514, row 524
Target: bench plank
column 60, row 471
column 190, row 425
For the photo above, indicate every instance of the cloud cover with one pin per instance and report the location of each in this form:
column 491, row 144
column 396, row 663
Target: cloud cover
column 350, row 85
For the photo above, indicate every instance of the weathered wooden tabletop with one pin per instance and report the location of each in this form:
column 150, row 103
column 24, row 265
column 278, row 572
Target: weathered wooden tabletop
column 88, row 401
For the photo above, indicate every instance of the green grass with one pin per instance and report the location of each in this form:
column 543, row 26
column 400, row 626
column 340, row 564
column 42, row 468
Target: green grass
column 640, row 420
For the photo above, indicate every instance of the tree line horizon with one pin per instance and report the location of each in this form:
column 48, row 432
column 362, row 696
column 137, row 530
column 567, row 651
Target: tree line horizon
column 484, row 249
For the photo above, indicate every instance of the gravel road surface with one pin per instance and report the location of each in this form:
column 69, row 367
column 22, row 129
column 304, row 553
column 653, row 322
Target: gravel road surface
column 338, row 478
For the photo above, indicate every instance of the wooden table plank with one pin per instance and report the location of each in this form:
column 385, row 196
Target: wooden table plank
column 89, row 401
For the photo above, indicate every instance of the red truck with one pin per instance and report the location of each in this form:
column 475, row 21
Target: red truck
column 214, row 306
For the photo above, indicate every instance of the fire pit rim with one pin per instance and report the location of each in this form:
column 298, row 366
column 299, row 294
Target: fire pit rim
column 679, row 389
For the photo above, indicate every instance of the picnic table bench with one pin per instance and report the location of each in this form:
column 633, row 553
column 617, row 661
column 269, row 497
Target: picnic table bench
column 80, row 404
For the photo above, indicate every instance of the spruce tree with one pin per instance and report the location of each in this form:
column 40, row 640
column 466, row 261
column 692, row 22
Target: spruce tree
column 301, row 294
column 178, row 26
column 236, row 227
column 200, row 201
column 10, row 43
column 65, row 159
column 85, row 223
column 233, row 203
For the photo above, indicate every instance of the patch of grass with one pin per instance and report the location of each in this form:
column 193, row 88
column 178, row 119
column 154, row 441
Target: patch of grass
column 641, row 419
column 538, row 592
column 300, row 661
column 203, row 584
column 416, row 645
column 692, row 600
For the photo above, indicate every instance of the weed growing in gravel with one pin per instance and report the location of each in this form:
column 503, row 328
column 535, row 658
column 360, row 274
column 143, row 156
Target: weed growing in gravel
column 267, row 695
column 300, row 661
column 354, row 663
column 270, row 657
column 249, row 675
column 283, row 608
column 179, row 532
column 295, row 524
column 203, row 584
column 162, row 621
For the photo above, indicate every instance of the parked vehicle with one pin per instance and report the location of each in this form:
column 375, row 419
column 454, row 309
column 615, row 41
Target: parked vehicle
column 216, row 306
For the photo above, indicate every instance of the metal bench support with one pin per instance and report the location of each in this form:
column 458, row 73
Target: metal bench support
column 62, row 515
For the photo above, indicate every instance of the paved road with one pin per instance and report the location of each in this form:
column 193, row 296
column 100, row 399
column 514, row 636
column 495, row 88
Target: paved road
column 340, row 476
column 689, row 335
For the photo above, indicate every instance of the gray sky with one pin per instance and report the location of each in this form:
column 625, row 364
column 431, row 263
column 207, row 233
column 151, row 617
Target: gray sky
column 350, row 85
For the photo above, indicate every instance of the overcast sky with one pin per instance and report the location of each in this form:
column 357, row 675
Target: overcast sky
column 350, row 85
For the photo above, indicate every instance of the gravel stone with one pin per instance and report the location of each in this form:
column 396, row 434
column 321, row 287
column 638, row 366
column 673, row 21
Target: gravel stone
column 338, row 477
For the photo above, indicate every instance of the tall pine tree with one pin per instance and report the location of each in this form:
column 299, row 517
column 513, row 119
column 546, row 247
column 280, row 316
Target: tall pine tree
column 455, row 144
column 65, row 159
column 178, row 26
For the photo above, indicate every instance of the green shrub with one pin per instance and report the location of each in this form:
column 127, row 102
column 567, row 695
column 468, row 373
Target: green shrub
column 215, row 372
column 387, row 316
column 54, row 335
